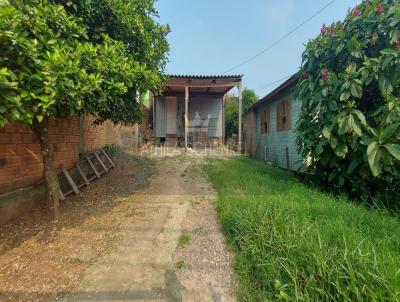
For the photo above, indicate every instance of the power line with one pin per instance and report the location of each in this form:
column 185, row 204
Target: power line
column 281, row 39
column 323, row 60
column 272, row 83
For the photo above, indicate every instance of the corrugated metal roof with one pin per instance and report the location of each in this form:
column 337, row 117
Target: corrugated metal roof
column 181, row 76
column 274, row 92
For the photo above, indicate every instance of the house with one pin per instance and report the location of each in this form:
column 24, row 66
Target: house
column 190, row 110
column 269, row 127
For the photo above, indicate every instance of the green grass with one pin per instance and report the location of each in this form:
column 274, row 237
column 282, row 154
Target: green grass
column 180, row 264
column 294, row 242
column 184, row 239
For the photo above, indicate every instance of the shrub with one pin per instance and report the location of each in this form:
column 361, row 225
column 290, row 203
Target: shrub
column 52, row 64
column 349, row 127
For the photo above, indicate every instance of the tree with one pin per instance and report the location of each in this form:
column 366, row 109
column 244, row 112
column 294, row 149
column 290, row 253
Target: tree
column 232, row 110
column 50, row 67
column 350, row 93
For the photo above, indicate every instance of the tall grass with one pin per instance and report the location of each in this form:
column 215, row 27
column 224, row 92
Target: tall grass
column 296, row 243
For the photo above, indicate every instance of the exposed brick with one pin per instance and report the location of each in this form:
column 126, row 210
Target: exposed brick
column 16, row 138
column 5, row 138
column 8, row 173
column 28, row 138
column 20, row 149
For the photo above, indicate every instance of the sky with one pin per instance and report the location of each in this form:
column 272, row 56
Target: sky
column 212, row 36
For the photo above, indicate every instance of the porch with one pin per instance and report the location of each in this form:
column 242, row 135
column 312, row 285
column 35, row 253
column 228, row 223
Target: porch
column 190, row 111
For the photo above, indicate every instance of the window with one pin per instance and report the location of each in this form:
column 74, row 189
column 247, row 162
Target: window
column 265, row 118
column 283, row 115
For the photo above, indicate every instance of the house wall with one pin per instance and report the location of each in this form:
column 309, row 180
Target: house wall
column 272, row 146
column 205, row 108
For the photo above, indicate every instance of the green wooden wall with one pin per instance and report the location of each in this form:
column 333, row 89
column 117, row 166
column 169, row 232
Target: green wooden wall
column 272, row 146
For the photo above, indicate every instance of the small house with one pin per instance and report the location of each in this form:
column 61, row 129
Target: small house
column 190, row 110
column 269, row 127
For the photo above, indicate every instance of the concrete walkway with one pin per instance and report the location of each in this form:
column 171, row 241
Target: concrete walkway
column 141, row 268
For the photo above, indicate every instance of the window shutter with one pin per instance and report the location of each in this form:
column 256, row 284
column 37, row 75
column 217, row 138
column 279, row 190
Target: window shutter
column 267, row 120
column 288, row 114
column 278, row 117
column 262, row 122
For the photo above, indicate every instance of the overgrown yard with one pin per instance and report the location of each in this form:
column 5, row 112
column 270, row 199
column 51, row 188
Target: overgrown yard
column 294, row 242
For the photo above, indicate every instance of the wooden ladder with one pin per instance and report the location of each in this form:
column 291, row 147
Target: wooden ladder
column 74, row 188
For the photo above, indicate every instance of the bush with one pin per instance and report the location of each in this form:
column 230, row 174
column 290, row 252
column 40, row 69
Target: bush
column 349, row 88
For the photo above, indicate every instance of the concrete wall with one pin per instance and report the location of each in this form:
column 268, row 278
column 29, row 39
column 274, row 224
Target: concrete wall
column 272, row 146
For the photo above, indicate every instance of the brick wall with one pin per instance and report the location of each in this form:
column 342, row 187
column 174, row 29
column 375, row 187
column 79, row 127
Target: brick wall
column 95, row 137
column 20, row 158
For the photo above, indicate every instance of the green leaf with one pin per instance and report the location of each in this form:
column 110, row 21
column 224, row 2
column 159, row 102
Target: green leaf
column 319, row 149
column 15, row 114
column 353, row 165
column 389, row 131
column 345, row 96
column 341, row 150
column 385, row 86
column 356, row 90
column 374, row 156
column 360, row 117
column 357, row 127
column 386, row 62
column 326, row 131
column 39, row 118
column 395, row 35
column 394, row 150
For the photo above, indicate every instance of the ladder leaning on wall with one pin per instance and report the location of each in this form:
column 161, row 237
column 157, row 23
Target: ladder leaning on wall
column 84, row 179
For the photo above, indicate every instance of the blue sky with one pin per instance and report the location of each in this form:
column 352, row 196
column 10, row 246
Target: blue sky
column 211, row 36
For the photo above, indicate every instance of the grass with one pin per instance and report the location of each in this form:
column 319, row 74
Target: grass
column 184, row 239
column 294, row 242
column 180, row 264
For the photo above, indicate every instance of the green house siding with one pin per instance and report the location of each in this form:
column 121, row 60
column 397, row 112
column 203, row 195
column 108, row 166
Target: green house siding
column 272, row 146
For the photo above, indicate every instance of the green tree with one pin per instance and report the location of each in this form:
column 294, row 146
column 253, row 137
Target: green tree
column 51, row 67
column 350, row 123
column 232, row 110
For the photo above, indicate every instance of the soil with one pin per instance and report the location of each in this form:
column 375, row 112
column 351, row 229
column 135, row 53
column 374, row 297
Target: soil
column 121, row 240
column 40, row 260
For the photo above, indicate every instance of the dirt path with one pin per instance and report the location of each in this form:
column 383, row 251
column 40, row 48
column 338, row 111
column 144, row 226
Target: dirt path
column 149, row 264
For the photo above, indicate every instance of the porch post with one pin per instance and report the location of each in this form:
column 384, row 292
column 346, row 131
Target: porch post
column 186, row 115
column 240, row 117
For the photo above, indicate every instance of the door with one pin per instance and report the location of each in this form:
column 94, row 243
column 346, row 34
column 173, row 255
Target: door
column 172, row 116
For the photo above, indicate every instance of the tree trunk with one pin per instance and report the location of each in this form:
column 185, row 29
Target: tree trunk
column 51, row 179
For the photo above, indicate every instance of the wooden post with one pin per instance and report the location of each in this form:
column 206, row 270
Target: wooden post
column 186, row 115
column 223, row 120
column 240, row 117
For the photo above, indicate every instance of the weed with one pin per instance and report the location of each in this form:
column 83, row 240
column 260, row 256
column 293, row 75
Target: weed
column 180, row 264
column 184, row 239
column 295, row 242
